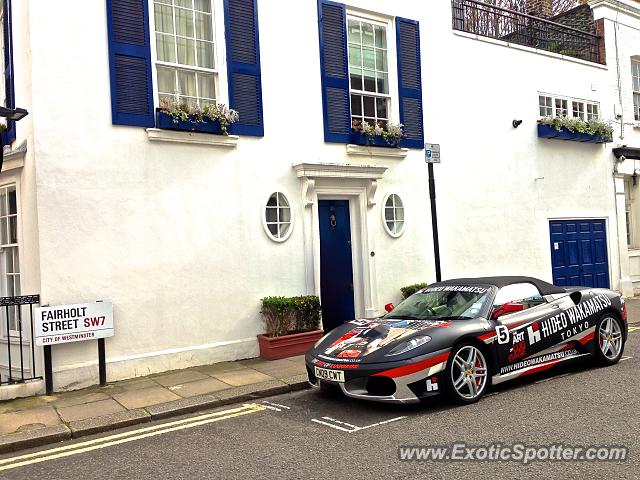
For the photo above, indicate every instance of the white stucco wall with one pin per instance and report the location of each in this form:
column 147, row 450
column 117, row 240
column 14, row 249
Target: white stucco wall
column 172, row 233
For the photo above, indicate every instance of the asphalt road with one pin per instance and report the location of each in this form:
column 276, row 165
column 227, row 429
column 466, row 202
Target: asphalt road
column 307, row 435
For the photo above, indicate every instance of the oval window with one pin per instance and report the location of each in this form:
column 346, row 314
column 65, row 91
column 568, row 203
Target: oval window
column 277, row 218
column 393, row 215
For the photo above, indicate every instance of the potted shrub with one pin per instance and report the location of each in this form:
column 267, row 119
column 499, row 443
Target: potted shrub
column 575, row 129
column 378, row 135
column 173, row 115
column 411, row 289
column 292, row 326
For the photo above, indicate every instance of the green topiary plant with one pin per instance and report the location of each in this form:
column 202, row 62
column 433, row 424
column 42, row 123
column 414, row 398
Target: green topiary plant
column 278, row 315
column 411, row 289
column 307, row 313
column 284, row 315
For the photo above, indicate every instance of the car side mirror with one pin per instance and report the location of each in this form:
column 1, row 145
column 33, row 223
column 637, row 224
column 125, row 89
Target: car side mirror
column 509, row 307
column 389, row 306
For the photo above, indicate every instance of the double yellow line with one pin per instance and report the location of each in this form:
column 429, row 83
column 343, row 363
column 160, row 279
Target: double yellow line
column 104, row 442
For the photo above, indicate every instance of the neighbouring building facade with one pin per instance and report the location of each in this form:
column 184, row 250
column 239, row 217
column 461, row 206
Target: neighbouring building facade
column 621, row 21
column 104, row 198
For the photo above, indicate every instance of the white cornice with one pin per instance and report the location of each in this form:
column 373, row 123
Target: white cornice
column 617, row 6
column 339, row 170
column 310, row 172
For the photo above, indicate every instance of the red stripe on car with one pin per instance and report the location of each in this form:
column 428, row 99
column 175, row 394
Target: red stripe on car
column 414, row 367
column 587, row 338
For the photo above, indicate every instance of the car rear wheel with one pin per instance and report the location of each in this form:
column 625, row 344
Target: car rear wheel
column 608, row 339
column 467, row 374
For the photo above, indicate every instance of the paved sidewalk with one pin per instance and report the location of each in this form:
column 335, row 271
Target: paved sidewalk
column 633, row 309
column 33, row 421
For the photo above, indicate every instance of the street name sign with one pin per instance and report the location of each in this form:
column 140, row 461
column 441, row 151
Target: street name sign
column 73, row 323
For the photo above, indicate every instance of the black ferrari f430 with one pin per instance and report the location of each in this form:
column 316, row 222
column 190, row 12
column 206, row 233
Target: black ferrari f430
column 460, row 336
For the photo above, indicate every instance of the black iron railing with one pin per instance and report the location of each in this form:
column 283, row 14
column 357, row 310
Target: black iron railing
column 18, row 360
column 515, row 27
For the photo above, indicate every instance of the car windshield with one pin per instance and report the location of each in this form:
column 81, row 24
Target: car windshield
column 448, row 302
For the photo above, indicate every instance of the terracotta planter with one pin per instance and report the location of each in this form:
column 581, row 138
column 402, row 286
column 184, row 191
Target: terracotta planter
column 273, row 348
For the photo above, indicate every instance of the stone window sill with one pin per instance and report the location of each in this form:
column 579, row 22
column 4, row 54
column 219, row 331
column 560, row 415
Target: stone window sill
column 175, row 136
column 369, row 151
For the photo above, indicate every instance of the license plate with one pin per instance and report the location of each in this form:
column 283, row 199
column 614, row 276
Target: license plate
column 331, row 375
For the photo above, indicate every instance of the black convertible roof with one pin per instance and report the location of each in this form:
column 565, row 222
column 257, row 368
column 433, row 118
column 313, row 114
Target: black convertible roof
column 544, row 287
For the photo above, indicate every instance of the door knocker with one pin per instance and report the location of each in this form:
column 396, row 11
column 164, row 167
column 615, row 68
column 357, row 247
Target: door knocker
column 332, row 221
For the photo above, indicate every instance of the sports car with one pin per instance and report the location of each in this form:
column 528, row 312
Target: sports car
column 460, row 336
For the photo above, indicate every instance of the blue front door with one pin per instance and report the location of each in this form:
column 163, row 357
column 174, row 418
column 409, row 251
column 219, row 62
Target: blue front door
column 336, row 271
column 579, row 253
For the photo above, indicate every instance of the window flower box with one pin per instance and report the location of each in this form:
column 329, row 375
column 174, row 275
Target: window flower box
column 359, row 138
column 547, row 131
column 165, row 121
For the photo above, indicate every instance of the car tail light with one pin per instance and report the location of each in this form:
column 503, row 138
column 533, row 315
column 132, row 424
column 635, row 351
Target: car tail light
column 624, row 312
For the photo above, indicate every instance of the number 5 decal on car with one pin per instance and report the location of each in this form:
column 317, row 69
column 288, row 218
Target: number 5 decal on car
column 503, row 334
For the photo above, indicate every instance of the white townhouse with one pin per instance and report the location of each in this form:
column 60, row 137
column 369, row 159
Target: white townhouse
column 104, row 197
column 621, row 20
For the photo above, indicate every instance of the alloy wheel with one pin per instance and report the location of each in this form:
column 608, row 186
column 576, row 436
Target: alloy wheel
column 610, row 338
column 469, row 372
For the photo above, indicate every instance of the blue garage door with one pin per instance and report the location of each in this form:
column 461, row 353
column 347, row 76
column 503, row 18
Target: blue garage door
column 579, row 253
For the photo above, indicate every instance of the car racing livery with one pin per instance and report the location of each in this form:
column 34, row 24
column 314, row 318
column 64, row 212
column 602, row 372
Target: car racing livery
column 459, row 336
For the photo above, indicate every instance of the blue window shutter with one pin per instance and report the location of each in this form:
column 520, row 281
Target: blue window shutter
column 410, row 82
column 243, row 66
column 332, row 26
column 130, row 63
column 9, row 135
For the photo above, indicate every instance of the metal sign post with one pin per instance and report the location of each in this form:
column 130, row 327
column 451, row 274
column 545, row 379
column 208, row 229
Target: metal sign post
column 431, row 156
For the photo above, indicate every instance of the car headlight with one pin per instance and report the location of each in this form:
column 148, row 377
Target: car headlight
column 321, row 340
column 404, row 347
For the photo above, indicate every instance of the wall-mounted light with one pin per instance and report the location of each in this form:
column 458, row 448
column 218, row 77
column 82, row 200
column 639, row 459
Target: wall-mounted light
column 516, row 123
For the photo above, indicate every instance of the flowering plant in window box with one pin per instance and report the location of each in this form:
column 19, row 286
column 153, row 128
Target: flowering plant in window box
column 365, row 133
column 576, row 129
column 185, row 116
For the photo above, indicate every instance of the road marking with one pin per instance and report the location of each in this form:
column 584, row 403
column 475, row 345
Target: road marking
column 68, row 450
column 341, row 423
column 382, row 423
column 633, row 329
column 275, row 409
column 627, row 357
column 332, row 425
column 277, row 405
column 337, row 424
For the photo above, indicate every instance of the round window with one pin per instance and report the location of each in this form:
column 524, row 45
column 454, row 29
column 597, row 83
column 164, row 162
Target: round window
column 277, row 218
column 393, row 215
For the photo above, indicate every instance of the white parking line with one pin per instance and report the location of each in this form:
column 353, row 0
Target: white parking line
column 626, row 357
column 275, row 409
column 341, row 423
column 332, row 425
column 277, row 405
column 337, row 424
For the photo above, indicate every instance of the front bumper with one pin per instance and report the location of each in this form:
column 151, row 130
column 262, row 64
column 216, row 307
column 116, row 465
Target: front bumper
column 404, row 381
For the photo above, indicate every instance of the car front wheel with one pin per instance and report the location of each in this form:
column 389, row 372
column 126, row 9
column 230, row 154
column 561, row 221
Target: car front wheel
column 467, row 374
